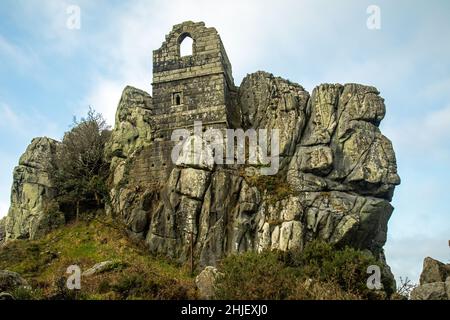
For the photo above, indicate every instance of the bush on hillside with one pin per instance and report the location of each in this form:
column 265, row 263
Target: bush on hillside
column 319, row 271
column 254, row 276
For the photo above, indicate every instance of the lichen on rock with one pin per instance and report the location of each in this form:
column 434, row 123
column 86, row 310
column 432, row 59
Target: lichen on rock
column 31, row 214
column 434, row 281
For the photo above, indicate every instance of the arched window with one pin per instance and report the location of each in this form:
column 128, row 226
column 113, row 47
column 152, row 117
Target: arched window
column 186, row 46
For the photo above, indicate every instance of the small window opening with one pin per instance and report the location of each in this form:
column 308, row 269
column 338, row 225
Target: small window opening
column 186, row 47
column 176, row 98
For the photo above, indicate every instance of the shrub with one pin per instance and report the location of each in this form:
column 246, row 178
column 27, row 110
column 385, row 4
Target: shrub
column 145, row 286
column 254, row 276
column 346, row 267
column 320, row 290
column 26, row 293
column 319, row 271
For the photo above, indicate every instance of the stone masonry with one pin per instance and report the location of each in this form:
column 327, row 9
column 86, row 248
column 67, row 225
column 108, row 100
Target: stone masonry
column 186, row 89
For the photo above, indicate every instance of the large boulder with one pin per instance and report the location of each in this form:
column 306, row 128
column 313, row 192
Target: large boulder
column 9, row 281
column 434, row 271
column 206, row 282
column 336, row 217
column 434, row 281
column 32, row 212
column 342, row 147
column 99, row 268
column 430, row 291
column 133, row 124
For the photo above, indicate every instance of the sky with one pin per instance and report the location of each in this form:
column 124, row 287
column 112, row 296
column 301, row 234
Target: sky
column 51, row 71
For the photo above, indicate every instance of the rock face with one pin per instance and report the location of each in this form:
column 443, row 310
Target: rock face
column 434, row 281
column 132, row 133
column 335, row 182
column 338, row 178
column 2, row 230
column 266, row 101
column 430, row 291
column 30, row 214
column 434, row 271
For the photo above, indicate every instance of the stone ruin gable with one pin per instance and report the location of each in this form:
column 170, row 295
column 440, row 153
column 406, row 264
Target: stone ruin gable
column 198, row 87
column 202, row 81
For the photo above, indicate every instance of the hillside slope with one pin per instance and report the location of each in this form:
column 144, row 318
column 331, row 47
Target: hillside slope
column 133, row 275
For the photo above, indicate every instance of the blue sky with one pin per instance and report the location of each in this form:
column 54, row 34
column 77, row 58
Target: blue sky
column 49, row 73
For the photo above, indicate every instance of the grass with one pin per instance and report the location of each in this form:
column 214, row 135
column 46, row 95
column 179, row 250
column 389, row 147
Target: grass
column 274, row 187
column 135, row 274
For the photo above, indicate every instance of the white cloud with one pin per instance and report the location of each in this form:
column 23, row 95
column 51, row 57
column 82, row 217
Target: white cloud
column 438, row 88
column 405, row 254
column 105, row 98
column 21, row 57
column 26, row 125
column 428, row 134
column 438, row 124
column 8, row 116
column 4, row 207
column 50, row 18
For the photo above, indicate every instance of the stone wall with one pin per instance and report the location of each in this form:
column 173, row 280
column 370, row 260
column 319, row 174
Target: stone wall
column 202, row 82
column 209, row 56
